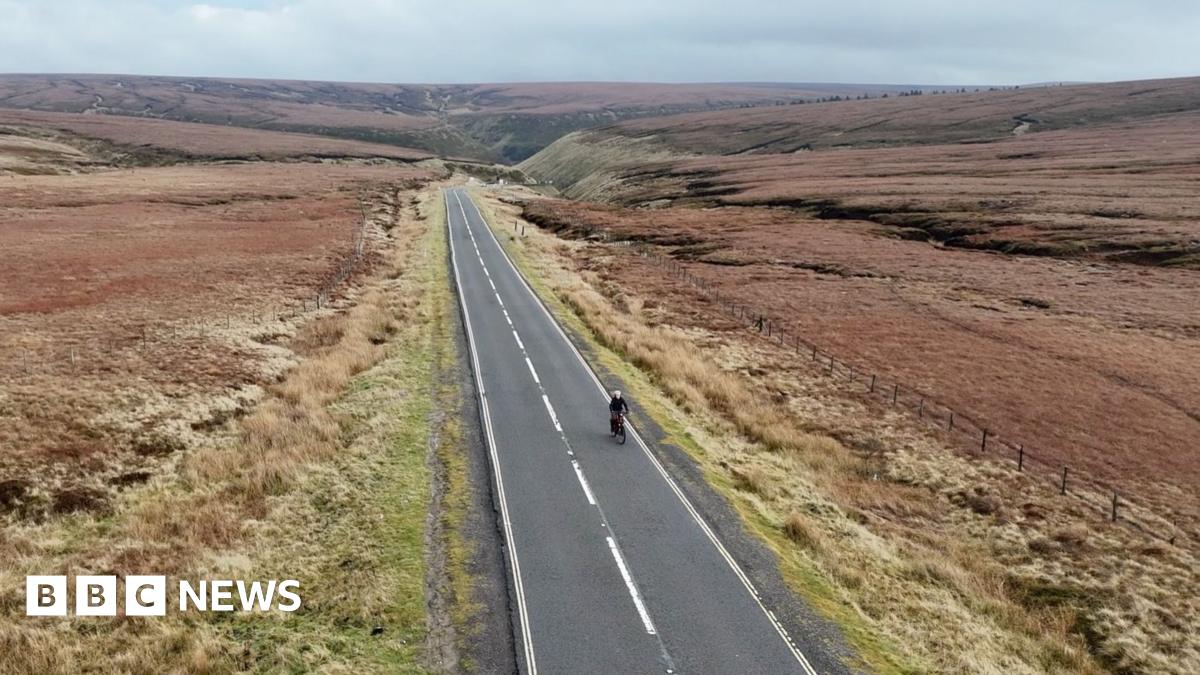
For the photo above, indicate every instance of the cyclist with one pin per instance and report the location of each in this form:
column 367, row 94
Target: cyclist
column 616, row 407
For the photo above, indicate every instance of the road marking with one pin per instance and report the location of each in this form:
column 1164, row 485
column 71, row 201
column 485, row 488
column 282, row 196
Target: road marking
column 550, row 409
column 704, row 527
column 528, row 362
column 506, row 521
column 637, row 597
column 587, row 489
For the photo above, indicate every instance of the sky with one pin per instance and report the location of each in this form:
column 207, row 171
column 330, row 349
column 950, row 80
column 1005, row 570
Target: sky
column 453, row 41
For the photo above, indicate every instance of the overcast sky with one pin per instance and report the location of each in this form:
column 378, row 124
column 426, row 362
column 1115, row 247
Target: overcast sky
column 443, row 41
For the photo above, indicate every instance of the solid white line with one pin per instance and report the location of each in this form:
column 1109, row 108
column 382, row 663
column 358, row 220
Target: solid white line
column 633, row 591
column 550, row 409
column 587, row 489
column 712, row 537
column 514, row 561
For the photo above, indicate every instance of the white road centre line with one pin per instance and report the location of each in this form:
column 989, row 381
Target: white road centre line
column 587, row 489
column 550, row 409
column 633, row 591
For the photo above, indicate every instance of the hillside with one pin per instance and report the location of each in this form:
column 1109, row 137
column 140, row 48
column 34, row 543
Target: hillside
column 973, row 116
column 49, row 143
column 483, row 121
column 1105, row 173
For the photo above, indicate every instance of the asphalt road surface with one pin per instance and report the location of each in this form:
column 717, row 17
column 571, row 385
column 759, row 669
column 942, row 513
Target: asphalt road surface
column 612, row 570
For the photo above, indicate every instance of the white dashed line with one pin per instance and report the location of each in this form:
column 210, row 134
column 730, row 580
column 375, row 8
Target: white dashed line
column 587, row 489
column 633, row 591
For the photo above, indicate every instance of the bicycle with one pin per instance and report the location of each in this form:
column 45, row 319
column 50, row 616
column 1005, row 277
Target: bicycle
column 618, row 428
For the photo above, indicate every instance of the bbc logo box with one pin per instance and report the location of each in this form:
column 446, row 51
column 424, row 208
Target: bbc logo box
column 147, row 595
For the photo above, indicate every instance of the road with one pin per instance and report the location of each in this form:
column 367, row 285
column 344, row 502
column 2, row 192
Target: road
column 611, row 568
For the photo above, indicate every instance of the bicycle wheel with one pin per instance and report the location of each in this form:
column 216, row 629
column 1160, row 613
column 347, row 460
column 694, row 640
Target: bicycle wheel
column 621, row 435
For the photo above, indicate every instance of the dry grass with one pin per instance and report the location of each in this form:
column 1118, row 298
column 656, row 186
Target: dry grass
column 941, row 119
column 142, row 308
column 483, row 121
column 128, row 139
column 325, row 481
column 957, row 565
column 1107, row 349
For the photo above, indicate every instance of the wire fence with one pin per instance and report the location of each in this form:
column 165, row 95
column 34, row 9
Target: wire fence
column 79, row 352
column 982, row 439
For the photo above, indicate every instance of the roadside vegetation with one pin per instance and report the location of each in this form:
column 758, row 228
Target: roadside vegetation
column 930, row 561
column 327, row 477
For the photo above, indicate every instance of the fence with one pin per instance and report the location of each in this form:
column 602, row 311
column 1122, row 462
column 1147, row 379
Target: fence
column 983, row 439
column 77, row 351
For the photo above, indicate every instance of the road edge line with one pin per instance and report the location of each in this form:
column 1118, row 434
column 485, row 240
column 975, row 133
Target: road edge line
column 506, row 523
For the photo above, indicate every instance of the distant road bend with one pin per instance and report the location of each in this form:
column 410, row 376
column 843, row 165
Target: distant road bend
column 612, row 570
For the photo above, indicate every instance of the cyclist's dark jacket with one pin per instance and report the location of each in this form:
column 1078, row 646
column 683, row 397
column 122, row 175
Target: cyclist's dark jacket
column 617, row 405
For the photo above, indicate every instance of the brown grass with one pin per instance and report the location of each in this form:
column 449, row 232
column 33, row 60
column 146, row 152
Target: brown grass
column 917, row 120
column 962, row 565
column 165, row 141
column 1096, row 374
column 309, row 481
column 142, row 308
column 481, row 121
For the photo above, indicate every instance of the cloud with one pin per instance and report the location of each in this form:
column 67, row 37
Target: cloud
column 911, row 41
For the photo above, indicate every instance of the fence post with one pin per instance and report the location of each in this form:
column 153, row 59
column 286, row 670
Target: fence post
column 895, row 393
column 1114, row 509
column 831, row 361
column 983, row 443
column 1063, row 488
column 951, row 426
column 872, row 384
column 814, row 352
column 1020, row 458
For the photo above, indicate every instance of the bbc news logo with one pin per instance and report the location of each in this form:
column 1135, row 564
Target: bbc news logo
column 146, row 595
